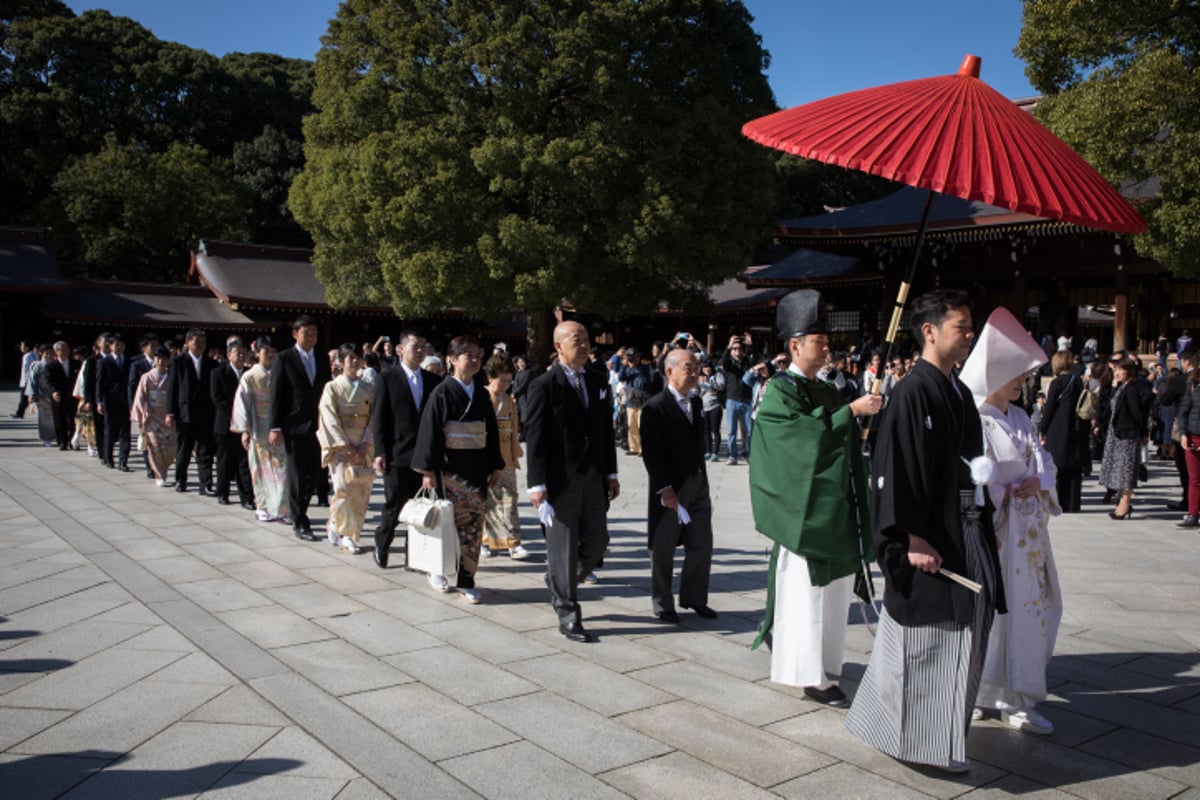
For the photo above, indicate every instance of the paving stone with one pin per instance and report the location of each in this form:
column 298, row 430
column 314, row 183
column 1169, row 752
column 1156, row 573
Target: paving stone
column 1169, row 723
column 237, row 705
column 195, row 668
column 378, row 633
column 247, row 786
column 749, row 702
column 614, row 653
column 575, row 734
column 260, row 573
column 150, row 547
column 16, row 574
column 314, row 759
column 390, row 765
column 186, row 758
column 1074, row 772
column 89, row 680
column 523, row 772
column 273, row 626
column 132, row 612
column 10, row 681
column 234, row 651
column 362, row 789
column 222, row 594
column 1175, row 762
column 430, row 723
column 589, row 684
column 46, row 589
column 486, row 640
column 1132, row 684
column 824, row 731
column 520, row 617
column 678, row 776
column 120, row 531
column 466, row 678
column 347, row 579
column 71, row 643
column 848, row 782
column 181, row 569
column 729, row 745
column 123, row 720
column 713, row 651
column 218, row 553
column 413, row 607
column 1016, row 786
column 1070, row 729
column 312, row 600
column 162, row 637
column 299, row 557
column 17, row 724
column 340, row 668
column 188, row 534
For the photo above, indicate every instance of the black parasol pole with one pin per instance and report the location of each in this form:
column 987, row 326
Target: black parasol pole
column 901, row 299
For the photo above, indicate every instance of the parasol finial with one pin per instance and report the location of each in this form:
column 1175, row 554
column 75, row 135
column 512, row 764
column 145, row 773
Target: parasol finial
column 970, row 67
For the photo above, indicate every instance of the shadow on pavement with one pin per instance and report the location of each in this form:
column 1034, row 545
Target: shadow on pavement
column 51, row 775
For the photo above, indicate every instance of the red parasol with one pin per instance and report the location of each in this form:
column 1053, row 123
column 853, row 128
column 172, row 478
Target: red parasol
column 955, row 135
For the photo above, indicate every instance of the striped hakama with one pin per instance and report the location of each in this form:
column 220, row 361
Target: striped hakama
column 916, row 697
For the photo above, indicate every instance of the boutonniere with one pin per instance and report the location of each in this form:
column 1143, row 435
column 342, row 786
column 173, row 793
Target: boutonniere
column 603, row 393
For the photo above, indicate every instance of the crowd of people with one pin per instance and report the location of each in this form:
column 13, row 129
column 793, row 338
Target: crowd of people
column 970, row 459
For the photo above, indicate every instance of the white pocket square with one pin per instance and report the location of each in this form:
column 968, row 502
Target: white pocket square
column 603, row 393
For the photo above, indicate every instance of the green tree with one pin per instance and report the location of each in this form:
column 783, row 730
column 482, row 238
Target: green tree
column 133, row 214
column 266, row 167
column 1123, row 89
column 502, row 154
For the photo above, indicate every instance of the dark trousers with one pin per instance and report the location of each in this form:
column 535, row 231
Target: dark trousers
column 697, row 541
column 22, row 403
column 116, row 432
column 64, row 421
column 98, row 430
column 233, row 465
column 712, row 432
column 199, row 437
column 400, row 483
column 1181, row 466
column 303, row 464
column 322, row 487
column 1069, row 484
column 575, row 543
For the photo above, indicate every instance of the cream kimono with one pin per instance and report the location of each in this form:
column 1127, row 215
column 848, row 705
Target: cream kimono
column 268, row 463
column 347, row 448
column 502, row 522
column 1022, row 641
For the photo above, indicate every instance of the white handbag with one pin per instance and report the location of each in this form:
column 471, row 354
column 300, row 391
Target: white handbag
column 432, row 548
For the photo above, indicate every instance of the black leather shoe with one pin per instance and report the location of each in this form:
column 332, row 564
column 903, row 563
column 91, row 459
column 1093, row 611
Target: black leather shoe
column 833, row 697
column 382, row 550
column 124, row 469
column 246, row 504
column 701, row 611
column 224, row 501
column 179, row 487
column 574, row 632
column 668, row 616
column 1188, row 522
column 303, row 532
column 323, row 502
column 202, row 491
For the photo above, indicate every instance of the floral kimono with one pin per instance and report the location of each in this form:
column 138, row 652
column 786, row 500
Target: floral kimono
column 268, row 463
column 502, row 522
column 347, row 448
column 150, row 413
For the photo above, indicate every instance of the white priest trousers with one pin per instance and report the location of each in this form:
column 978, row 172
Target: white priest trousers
column 809, row 632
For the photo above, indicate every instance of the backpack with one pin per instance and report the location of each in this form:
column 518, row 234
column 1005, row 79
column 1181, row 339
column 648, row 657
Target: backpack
column 1088, row 406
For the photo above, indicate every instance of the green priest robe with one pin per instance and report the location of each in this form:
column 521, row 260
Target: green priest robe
column 808, row 482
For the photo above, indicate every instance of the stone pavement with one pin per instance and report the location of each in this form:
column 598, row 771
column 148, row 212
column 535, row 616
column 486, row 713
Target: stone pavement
column 158, row 645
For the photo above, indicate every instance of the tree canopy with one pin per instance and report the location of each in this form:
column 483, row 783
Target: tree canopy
column 1123, row 89
column 501, row 154
column 76, row 91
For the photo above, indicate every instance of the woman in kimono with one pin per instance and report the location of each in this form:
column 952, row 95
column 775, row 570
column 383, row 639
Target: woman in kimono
column 252, row 419
column 40, row 392
column 150, row 413
column 347, row 448
column 1024, row 494
column 85, row 428
column 458, row 451
column 502, row 524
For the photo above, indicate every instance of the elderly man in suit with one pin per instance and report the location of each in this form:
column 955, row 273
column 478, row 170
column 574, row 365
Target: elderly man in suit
column 61, row 373
column 297, row 380
column 190, row 410
column 112, row 400
column 400, row 394
column 232, row 461
column 680, row 511
column 572, row 466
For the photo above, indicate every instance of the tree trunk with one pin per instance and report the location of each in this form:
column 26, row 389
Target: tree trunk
column 539, row 338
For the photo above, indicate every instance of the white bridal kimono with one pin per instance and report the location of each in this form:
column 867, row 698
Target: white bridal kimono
column 1022, row 641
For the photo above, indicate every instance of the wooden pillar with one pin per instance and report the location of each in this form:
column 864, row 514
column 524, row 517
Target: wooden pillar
column 1121, row 307
column 1021, row 301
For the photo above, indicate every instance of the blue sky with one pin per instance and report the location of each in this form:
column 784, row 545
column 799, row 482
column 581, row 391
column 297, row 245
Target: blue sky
column 817, row 48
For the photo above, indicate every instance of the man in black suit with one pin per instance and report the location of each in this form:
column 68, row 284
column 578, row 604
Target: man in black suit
column 91, row 380
column 62, row 372
column 190, row 410
column 400, row 394
column 138, row 367
column 112, row 400
column 297, row 380
column 673, row 451
column 232, row 462
column 572, row 460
